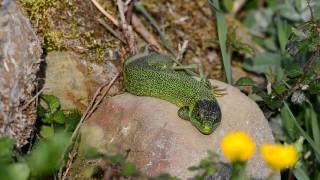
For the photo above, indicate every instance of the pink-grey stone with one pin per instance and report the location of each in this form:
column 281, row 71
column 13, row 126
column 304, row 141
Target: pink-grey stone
column 159, row 141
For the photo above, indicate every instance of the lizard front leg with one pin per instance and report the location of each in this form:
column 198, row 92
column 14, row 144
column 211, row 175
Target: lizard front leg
column 183, row 113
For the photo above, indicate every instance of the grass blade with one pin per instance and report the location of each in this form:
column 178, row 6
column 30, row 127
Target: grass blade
column 289, row 127
column 315, row 127
column 304, row 134
column 300, row 174
column 222, row 29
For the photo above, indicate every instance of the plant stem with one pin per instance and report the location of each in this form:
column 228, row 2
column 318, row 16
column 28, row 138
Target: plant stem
column 238, row 171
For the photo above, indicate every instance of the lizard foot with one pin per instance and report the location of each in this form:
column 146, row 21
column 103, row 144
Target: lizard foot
column 218, row 92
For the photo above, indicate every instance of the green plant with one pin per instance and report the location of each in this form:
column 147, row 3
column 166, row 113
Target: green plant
column 53, row 118
column 118, row 166
column 48, row 152
column 207, row 166
column 42, row 161
column 291, row 67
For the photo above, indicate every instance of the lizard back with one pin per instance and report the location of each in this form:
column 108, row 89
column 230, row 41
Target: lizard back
column 152, row 75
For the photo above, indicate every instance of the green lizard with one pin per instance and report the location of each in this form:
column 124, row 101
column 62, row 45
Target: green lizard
column 154, row 75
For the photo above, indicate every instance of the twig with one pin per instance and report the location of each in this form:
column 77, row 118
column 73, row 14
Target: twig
column 93, row 105
column 237, row 5
column 32, row 99
column 69, row 163
column 127, row 2
column 164, row 40
column 131, row 18
column 121, row 11
column 109, row 16
column 126, row 28
column 129, row 11
column 182, row 49
column 144, row 33
column 111, row 31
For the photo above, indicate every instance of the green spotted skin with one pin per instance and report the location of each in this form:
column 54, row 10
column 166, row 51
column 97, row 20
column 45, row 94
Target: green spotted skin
column 152, row 75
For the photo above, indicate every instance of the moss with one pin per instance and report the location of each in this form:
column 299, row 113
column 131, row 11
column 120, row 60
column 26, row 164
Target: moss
column 51, row 41
column 39, row 14
column 71, row 25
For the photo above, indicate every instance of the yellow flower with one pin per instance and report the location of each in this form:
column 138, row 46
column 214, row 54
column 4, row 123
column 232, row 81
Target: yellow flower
column 279, row 157
column 237, row 146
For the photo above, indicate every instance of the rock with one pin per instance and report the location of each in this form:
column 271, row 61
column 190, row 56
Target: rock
column 73, row 80
column 162, row 142
column 20, row 53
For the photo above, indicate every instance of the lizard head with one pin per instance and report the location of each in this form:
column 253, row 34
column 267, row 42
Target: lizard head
column 206, row 115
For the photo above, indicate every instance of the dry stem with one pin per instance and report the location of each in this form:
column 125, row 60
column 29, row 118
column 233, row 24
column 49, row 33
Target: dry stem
column 126, row 28
column 109, row 16
column 91, row 108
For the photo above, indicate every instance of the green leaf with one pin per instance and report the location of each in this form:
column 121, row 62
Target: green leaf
column 262, row 62
column 314, row 87
column 6, row 145
column 245, row 81
column 129, row 169
column 48, row 118
column 289, row 127
column 47, row 155
column 72, row 120
column 255, row 97
column 59, row 117
column 283, row 29
column 315, row 127
column 316, row 67
column 46, row 131
column 300, row 174
column 117, row 159
column 293, row 70
column 52, row 101
column 269, row 43
column 228, row 4
column 222, row 28
column 259, row 91
column 272, row 102
column 258, row 21
column 298, row 5
column 288, row 11
column 91, row 153
column 207, row 166
column 16, row 171
column 41, row 111
column 279, row 88
column 163, row 176
column 20, row 171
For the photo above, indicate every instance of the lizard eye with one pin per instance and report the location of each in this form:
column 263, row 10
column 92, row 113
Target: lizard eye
column 208, row 109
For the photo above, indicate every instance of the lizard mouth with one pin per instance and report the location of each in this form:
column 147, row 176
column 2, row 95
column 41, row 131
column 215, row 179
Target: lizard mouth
column 206, row 130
